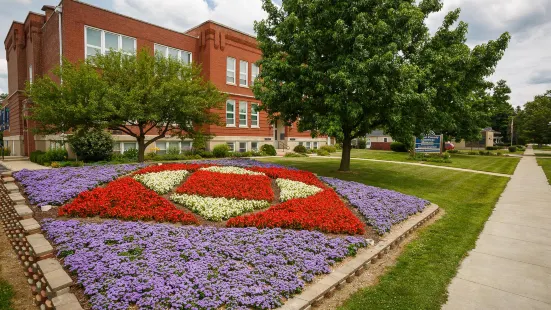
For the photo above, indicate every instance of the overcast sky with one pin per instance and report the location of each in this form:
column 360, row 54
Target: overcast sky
column 526, row 65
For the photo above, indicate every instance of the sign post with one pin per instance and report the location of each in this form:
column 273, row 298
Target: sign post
column 429, row 144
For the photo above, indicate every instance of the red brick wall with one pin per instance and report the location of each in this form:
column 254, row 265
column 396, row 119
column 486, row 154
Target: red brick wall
column 385, row 146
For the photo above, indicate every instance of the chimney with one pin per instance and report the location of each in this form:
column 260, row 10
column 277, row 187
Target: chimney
column 48, row 10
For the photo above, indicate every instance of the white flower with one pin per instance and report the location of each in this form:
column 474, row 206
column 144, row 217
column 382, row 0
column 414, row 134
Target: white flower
column 162, row 182
column 231, row 169
column 295, row 189
column 217, row 209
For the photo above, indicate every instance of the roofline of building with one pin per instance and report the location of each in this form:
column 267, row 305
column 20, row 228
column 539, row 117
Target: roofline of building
column 142, row 21
column 221, row 25
column 9, row 30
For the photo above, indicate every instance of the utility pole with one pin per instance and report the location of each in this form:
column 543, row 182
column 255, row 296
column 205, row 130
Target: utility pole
column 512, row 129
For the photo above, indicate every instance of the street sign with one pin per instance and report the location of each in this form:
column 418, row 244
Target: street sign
column 429, row 144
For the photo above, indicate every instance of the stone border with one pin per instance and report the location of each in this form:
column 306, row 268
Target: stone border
column 314, row 294
column 50, row 284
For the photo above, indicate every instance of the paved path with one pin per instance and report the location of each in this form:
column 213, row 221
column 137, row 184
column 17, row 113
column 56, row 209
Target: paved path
column 20, row 165
column 510, row 267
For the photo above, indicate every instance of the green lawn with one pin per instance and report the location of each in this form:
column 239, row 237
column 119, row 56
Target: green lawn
column 6, row 294
column 505, row 165
column 545, row 164
column 422, row 273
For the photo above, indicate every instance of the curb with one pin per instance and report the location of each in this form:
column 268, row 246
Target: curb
column 313, row 295
column 50, row 284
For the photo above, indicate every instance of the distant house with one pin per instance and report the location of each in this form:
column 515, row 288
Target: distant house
column 376, row 140
column 489, row 138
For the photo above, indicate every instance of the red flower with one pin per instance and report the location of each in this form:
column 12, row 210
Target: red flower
column 126, row 199
column 239, row 186
column 295, row 175
column 167, row 167
column 324, row 211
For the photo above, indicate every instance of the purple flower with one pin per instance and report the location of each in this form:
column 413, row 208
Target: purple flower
column 382, row 208
column 158, row 266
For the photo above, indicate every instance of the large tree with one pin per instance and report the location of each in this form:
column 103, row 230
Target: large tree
column 140, row 95
column 534, row 121
column 502, row 111
column 344, row 68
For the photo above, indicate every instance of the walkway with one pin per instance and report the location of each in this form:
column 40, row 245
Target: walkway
column 510, row 267
column 20, row 165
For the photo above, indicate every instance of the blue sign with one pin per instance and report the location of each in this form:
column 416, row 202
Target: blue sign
column 428, row 144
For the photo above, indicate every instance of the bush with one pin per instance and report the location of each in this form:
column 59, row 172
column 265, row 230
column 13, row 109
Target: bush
column 221, row 151
column 436, row 158
column 173, row 151
column 301, row 149
column 205, row 154
column 90, row 146
column 45, row 158
column 131, row 154
column 5, row 151
column 34, row 156
column 329, row 148
column 321, row 152
column 152, row 156
column 492, row 148
column 398, row 147
column 454, row 152
column 512, row 149
column 268, row 149
column 295, row 155
column 362, row 143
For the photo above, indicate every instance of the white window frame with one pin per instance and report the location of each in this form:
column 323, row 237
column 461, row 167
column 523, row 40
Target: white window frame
column 246, row 73
column 245, row 104
column 182, row 145
column 102, row 48
column 232, row 147
column 122, row 146
column 257, row 114
column 308, row 145
column 315, row 145
column 255, row 72
column 239, row 146
column 254, row 148
column 180, row 52
column 232, row 112
column 228, row 71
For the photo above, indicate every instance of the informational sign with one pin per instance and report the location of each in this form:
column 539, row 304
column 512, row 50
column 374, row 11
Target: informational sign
column 429, row 144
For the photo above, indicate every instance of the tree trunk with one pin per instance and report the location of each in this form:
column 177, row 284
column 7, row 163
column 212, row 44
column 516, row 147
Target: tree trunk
column 141, row 149
column 345, row 159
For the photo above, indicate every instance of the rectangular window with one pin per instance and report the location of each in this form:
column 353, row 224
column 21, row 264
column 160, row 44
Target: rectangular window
column 161, row 147
column 255, row 71
column 242, row 114
column 31, row 74
column 99, row 41
column 315, row 145
column 385, row 139
column 308, row 145
column 173, row 147
column 231, row 145
column 117, row 147
column 254, row 146
column 129, row 146
column 230, row 113
column 301, row 143
column 230, row 71
column 254, row 115
column 167, row 52
column 242, row 147
column 186, row 146
column 243, row 73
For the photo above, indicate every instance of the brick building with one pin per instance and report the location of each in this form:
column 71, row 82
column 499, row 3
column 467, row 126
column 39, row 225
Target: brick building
column 75, row 30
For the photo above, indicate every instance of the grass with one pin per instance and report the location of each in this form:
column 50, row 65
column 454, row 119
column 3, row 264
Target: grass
column 420, row 278
column 6, row 294
column 505, row 165
column 545, row 164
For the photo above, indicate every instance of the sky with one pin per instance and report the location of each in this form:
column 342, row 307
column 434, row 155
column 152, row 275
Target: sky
column 526, row 65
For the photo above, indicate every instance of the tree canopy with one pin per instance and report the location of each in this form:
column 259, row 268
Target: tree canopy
column 140, row 95
column 344, row 68
column 534, row 121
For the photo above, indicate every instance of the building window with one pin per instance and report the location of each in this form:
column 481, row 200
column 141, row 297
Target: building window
column 127, row 146
column 255, row 71
column 100, row 41
column 161, row 148
column 254, row 115
column 243, row 73
column 187, row 146
column 315, row 145
column 308, row 145
column 117, row 147
column 242, row 147
column 242, row 114
column 55, row 145
column 230, row 113
column 385, row 139
column 167, row 52
column 230, row 71
column 31, row 74
column 231, row 145
column 254, row 146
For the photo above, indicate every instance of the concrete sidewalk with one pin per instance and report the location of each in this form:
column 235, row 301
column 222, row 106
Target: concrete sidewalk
column 510, row 267
column 21, row 164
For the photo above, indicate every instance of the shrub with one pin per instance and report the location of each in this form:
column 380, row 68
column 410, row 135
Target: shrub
column 436, row 158
column 52, row 155
column 221, row 151
column 398, row 147
column 492, row 148
column 95, row 145
column 321, row 152
column 34, row 156
column 268, row 149
column 131, row 154
column 362, row 143
column 454, row 152
column 295, row 155
column 5, row 151
column 205, row 154
column 472, row 153
column 329, row 148
column 152, row 156
column 301, row 149
column 338, row 146
column 173, row 151
column 512, row 149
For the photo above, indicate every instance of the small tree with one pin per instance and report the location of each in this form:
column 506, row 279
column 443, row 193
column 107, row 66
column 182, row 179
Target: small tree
column 534, row 121
column 92, row 145
column 140, row 95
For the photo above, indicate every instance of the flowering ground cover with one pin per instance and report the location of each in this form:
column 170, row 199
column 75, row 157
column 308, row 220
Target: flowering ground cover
column 239, row 162
column 382, row 208
column 162, row 182
column 294, row 189
column 295, row 175
column 56, row 186
column 157, row 266
column 172, row 167
column 218, row 208
column 126, row 199
column 231, row 170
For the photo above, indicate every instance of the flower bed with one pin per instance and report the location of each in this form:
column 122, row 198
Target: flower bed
column 162, row 182
column 156, row 266
column 324, row 211
column 294, row 189
column 213, row 184
column 172, row 167
column 382, row 208
column 295, row 175
column 239, row 162
column 56, row 186
column 231, row 170
column 218, row 209
column 126, row 199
